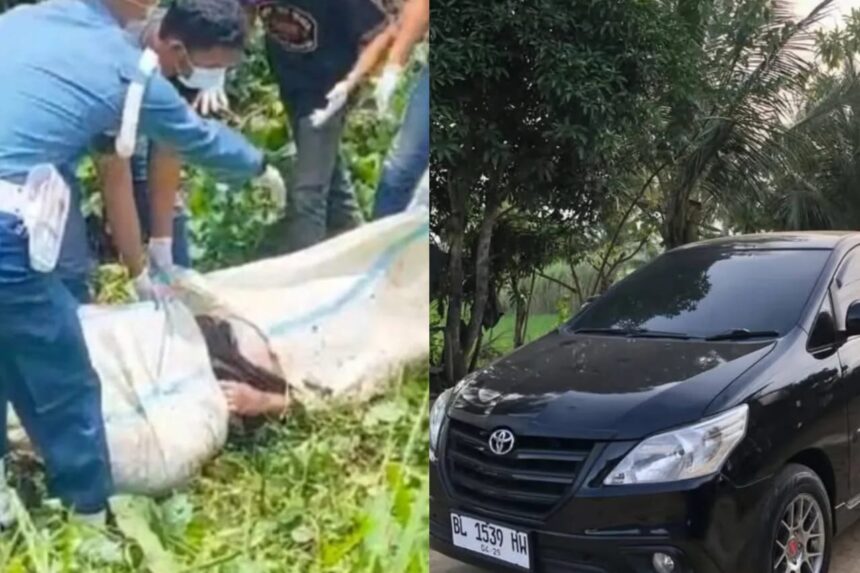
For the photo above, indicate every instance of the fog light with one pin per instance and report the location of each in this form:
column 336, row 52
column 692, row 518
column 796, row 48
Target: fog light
column 663, row 563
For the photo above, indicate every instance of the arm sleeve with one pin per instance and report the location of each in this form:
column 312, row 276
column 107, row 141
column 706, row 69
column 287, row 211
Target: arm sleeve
column 165, row 117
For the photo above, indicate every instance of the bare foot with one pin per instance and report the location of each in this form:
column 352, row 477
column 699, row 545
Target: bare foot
column 244, row 400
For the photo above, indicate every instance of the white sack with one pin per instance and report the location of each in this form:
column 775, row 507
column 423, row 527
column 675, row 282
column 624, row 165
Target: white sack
column 341, row 318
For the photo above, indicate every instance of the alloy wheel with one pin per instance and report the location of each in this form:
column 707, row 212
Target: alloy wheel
column 800, row 537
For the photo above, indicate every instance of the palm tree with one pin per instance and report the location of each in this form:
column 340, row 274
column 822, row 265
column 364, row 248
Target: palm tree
column 756, row 61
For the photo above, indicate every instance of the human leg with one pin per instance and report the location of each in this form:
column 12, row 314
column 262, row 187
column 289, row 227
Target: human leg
column 139, row 163
column 343, row 210
column 49, row 378
column 181, row 235
column 307, row 207
column 409, row 156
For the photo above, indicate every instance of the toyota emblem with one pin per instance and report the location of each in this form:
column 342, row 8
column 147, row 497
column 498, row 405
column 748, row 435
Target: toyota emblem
column 501, row 442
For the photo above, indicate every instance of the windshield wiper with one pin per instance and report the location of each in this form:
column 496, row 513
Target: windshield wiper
column 633, row 333
column 743, row 334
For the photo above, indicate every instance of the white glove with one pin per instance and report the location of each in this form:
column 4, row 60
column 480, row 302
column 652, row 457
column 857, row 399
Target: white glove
column 161, row 253
column 336, row 100
column 213, row 100
column 272, row 181
column 385, row 87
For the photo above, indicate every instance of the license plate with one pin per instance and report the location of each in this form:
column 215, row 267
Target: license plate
column 496, row 541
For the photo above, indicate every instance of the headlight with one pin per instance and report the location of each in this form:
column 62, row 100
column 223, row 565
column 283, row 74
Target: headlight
column 686, row 453
column 437, row 416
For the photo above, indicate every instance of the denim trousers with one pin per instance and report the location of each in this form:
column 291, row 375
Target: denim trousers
column 322, row 199
column 45, row 372
column 409, row 156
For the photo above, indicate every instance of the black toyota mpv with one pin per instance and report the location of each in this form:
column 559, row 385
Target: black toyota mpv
column 702, row 416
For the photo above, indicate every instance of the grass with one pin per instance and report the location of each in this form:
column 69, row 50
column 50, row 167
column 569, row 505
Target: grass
column 501, row 337
column 339, row 490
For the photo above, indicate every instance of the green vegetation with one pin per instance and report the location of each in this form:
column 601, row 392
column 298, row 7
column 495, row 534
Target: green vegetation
column 501, row 337
column 339, row 490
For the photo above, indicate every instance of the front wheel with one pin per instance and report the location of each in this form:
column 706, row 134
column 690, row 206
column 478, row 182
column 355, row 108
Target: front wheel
column 799, row 523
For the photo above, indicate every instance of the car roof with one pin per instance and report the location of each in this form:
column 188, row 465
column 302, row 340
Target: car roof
column 784, row 240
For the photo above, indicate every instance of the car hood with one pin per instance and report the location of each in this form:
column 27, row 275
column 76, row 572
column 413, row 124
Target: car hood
column 603, row 387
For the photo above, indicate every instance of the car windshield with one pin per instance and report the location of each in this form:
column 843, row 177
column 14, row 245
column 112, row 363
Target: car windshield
column 708, row 292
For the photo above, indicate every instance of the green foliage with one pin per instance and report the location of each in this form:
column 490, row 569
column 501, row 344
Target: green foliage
column 333, row 491
column 501, row 337
column 542, row 112
column 226, row 226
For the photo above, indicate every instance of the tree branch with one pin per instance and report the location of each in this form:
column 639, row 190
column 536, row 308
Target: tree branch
column 552, row 279
column 623, row 222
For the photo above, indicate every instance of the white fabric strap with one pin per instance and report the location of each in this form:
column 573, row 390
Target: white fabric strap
column 127, row 138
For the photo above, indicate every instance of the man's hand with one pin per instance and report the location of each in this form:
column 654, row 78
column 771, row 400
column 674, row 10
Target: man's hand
column 336, row 97
column 386, row 86
column 212, row 101
column 272, row 181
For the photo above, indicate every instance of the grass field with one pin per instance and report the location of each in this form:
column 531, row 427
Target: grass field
column 501, row 337
column 344, row 490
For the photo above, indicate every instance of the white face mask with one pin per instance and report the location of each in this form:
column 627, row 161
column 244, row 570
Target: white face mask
column 204, row 78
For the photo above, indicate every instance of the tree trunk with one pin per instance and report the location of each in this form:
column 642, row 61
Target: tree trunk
column 482, row 276
column 524, row 303
column 455, row 364
column 682, row 221
column 518, row 313
column 473, row 364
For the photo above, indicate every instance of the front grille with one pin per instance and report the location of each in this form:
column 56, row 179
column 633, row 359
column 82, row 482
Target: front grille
column 529, row 481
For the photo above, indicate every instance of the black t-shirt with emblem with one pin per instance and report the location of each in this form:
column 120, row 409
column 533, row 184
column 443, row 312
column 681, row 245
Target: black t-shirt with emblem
column 313, row 44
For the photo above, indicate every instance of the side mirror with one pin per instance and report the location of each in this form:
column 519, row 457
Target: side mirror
column 852, row 319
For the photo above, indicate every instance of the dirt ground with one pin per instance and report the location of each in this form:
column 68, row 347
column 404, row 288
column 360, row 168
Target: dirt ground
column 846, row 557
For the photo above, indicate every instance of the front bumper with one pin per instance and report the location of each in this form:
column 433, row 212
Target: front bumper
column 708, row 527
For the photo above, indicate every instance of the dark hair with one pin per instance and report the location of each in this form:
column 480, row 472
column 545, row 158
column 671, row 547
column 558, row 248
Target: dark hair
column 205, row 24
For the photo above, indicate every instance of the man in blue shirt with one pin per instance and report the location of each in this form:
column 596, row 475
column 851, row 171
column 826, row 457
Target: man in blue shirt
column 312, row 46
column 196, row 41
column 64, row 75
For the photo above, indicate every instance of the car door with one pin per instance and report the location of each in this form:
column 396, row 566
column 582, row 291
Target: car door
column 845, row 289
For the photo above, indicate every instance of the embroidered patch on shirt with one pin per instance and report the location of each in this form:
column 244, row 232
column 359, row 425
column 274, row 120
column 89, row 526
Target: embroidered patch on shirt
column 293, row 28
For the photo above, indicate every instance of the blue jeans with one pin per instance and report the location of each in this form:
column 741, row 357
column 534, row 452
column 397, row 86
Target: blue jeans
column 409, row 156
column 140, row 182
column 45, row 371
column 322, row 199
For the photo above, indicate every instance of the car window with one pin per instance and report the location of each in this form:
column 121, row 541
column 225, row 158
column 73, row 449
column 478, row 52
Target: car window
column 823, row 332
column 710, row 290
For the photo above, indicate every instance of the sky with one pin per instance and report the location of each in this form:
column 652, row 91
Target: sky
column 840, row 8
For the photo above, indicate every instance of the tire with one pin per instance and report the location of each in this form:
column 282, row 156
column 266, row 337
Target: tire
column 796, row 489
